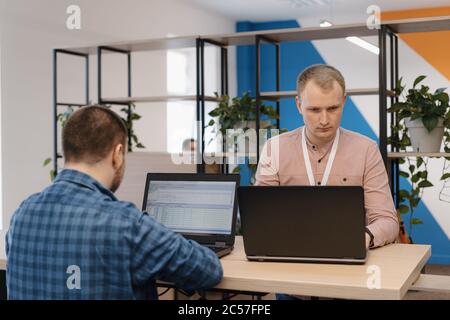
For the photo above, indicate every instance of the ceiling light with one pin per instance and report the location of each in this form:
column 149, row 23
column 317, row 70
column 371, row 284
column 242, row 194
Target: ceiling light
column 364, row 44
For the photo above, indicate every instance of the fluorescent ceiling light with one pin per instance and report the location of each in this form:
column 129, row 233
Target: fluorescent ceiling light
column 364, row 44
column 325, row 24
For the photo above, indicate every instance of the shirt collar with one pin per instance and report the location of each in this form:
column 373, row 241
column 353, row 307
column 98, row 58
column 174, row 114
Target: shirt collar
column 323, row 149
column 78, row 177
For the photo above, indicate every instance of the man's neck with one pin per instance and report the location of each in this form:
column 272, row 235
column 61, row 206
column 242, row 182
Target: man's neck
column 319, row 143
column 94, row 173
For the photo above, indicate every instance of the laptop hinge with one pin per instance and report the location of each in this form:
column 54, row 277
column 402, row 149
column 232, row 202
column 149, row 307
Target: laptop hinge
column 220, row 244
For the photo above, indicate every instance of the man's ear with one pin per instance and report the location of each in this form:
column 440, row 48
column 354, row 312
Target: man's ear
column 118, row 156
column 299, row 104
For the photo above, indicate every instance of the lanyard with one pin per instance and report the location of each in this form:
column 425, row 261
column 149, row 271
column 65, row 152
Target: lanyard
column 329, row 163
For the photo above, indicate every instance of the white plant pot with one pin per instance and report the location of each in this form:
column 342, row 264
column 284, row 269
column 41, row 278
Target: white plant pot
column 421, row 139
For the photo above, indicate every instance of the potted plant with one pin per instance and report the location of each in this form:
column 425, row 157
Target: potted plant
column 240, row 113
column 423, row 123
column 425, row 114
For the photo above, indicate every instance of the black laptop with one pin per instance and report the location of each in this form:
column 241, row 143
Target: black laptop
column 302, row 223
column 201, row 207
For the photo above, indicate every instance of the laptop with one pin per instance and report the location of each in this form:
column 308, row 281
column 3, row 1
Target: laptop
column 302, row 223
column 201, row 207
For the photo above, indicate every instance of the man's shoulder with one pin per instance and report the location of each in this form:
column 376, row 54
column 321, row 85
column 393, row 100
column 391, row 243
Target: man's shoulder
column 286, row 137
column 124, row 210
column 356, row 140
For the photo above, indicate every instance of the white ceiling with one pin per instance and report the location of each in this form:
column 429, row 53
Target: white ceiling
column 338, row 11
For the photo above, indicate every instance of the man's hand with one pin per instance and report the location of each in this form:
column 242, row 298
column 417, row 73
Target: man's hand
column 367, row 241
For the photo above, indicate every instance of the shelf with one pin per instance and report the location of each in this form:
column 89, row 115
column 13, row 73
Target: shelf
column 126, row 100
column 274, row 95
column 279, row 35
column 419, row 24
column 417, row 154
column 67, row 104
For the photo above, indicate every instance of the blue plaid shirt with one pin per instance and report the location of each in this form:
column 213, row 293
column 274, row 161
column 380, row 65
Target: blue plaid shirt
column 75, row 240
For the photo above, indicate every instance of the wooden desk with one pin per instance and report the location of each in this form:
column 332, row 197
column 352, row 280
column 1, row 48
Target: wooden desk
column 399, row 265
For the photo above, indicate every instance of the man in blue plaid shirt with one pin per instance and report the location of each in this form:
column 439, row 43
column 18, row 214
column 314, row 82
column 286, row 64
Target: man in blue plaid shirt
column 75, row 240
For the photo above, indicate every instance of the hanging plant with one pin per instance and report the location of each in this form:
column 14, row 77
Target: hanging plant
column 129, row 120
column 430, row 108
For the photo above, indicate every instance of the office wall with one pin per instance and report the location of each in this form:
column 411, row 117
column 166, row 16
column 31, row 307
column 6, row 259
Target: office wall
column 360, row 69
column 29, row 31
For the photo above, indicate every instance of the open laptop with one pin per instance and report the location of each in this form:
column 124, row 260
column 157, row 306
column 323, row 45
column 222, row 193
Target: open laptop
column 302, row 223
column 201, row 207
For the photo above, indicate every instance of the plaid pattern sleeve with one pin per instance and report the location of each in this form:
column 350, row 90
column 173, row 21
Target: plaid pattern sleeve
column 161, row 254
column 75, row 240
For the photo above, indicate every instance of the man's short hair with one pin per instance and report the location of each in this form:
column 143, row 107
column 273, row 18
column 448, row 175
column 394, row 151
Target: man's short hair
column 91, row 133
column 323, row 75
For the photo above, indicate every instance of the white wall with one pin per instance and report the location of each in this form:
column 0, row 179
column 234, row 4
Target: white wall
column 30, row 29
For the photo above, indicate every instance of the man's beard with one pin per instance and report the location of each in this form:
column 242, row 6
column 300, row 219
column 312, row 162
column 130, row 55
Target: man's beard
column 118, row 176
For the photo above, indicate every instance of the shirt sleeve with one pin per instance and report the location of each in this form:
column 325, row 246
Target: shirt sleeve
column 380, row 210
column 267, row 171
column 160, row 254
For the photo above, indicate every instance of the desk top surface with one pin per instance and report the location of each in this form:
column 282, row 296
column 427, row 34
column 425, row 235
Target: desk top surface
column 398, row 266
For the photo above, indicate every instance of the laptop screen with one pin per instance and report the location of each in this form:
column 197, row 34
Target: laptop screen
column 199, row 207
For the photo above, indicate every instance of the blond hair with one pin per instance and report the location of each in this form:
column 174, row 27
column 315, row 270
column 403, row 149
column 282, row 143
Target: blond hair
column 323, row 75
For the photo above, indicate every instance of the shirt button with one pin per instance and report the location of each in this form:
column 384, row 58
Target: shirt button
column 318, row 183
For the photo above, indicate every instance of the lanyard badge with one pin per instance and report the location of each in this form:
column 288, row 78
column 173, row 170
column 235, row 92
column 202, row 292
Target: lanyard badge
column 326, row 174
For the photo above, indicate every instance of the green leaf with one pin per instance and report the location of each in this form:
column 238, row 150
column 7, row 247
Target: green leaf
column 47, row 161
column 419, row 162
column 211, row 122
column 404, row 174
column 237, row 169
column 52, row 175
column 412, row 168
column 445, row 176
column 140, row 145
column 415, row 178
column 403, row 209
column 425, row 184
column 423, row 174
column 440, row 90
column 403, row 193
column 418, row 80
column 135, row 116
column 430, row 122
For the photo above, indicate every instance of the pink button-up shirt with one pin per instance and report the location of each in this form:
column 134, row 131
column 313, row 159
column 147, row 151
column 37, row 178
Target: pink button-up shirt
column 358, row 162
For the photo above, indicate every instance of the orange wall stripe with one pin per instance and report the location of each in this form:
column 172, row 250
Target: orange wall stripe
column 434, row 47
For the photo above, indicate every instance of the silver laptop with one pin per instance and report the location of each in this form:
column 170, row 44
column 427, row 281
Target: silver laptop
column 201, row 207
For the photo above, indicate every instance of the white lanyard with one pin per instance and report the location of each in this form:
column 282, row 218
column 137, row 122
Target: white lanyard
column 326, row 174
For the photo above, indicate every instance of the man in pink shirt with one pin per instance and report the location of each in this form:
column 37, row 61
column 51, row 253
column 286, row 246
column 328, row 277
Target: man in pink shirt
column 322, row 153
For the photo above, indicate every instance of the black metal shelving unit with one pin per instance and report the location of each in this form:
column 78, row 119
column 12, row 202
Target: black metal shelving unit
column 57, row 104
column 389, row 29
